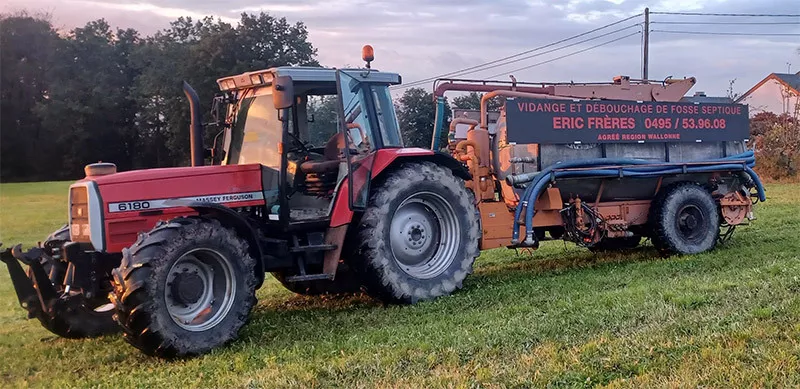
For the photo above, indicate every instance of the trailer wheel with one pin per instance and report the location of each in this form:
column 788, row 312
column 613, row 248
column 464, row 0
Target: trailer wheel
column 684, row 219
column 616, row 244
column 419, row 235
column 184, row 288
column 345, row 282
column 73, row 316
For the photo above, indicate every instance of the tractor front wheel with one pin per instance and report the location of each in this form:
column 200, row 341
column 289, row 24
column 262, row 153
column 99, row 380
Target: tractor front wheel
column 184, row 288
column 419, row 235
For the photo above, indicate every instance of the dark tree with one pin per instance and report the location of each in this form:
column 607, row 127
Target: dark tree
column 27, row 43
column 416, row 112
column 472, row 100
column 95, row 93
column 88, row 103
column 200, row 53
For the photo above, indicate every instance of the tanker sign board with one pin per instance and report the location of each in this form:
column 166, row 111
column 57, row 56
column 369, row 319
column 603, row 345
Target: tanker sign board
column 602, row 121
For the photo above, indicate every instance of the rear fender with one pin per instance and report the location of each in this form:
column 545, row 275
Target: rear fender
column 230, row 219
column 385, row 161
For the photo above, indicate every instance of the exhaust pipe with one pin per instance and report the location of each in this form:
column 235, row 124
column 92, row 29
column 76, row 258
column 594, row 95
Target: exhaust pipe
column 196, row 126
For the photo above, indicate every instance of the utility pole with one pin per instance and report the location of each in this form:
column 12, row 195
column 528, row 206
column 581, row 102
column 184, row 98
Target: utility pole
column 646, row 44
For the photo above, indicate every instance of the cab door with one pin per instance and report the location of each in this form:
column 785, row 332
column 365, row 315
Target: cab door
column 356, row 119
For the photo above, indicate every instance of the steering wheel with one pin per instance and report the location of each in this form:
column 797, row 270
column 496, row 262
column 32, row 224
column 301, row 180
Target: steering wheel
column 300, row 145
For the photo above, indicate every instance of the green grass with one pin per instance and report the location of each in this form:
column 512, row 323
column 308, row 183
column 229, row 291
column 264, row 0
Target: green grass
column 561, row 317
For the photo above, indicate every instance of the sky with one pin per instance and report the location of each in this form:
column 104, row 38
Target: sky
column 425, row 38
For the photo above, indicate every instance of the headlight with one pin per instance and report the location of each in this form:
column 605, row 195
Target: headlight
column 86, row 215
column 79, row 214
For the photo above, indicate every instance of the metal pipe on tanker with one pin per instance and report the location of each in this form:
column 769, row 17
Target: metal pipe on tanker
column 438, row 122
column 481, row 138
column 451, row 135
column 440, row 90
column 461, row 150
column 495, row 146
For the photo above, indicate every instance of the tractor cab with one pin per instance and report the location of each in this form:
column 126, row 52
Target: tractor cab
column 310, row 128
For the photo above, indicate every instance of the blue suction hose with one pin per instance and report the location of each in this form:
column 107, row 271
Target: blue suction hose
column 631, row 169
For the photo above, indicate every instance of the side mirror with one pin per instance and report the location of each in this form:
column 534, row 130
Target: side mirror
column 282, row 92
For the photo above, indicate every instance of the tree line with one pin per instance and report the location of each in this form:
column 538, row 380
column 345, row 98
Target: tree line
column 96, row 93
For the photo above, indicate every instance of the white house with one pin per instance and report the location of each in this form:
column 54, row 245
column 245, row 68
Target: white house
column 778, row 93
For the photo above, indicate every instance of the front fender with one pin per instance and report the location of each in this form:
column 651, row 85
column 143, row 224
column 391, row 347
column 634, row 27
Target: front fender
column 385, row 161
column 230, row 219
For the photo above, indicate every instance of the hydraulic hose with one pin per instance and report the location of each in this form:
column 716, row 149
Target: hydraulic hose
column 630, row 169
column 748, row 157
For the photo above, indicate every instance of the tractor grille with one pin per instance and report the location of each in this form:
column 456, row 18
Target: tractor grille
column 79, row 214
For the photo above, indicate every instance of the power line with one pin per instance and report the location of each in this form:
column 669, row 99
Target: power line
column 458, row 72
column 726, row 14
column 514, row 57
column 550, row 51
column 565, row 55
column 724, row 33
column 726, row 23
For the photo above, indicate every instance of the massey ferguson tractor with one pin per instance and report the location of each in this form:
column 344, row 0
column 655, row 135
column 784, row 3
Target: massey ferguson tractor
column 173, row 256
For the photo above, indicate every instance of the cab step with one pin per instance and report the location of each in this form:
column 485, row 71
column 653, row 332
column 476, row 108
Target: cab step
column 312, row 248
column 309, row 277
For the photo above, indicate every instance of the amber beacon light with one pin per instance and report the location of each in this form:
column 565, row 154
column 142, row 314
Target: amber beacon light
column 367, row 54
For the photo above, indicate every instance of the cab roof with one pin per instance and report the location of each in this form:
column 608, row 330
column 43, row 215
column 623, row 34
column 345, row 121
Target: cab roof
column 300, row 74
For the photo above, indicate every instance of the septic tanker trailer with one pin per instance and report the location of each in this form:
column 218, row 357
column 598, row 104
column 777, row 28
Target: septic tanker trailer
column 604, row 165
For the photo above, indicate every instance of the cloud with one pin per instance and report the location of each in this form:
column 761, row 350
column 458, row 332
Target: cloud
column 421, row 38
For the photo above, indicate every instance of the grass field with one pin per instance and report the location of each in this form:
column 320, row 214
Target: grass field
column 561, row 317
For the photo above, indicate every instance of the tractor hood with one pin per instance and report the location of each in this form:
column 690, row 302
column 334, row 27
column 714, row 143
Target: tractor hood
column 175, row 183
column 119, row 205
column 169, row 173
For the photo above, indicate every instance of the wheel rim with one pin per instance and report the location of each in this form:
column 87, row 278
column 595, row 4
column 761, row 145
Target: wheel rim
column 200, row 289
column 424, row 235
column 691, row 222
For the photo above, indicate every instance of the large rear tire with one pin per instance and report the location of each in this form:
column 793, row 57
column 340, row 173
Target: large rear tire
column 184, row 288
column 684, row 220
column 419, row 235
column 73, row 316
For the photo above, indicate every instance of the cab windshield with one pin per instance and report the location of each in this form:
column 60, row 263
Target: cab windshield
column 256, row 133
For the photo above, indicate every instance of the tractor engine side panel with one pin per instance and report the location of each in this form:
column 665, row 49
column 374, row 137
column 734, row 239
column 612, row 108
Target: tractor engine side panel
column 133, row 206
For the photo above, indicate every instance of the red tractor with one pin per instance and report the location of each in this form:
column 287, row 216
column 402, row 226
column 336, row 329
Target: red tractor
column 310, row 181
column 174, row 256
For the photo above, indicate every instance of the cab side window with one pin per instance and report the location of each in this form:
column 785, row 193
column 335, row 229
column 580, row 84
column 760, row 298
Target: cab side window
column 359, row 132
column 387, row 118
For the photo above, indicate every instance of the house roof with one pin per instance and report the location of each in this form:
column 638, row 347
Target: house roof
column 706, row 99
column 790, row 80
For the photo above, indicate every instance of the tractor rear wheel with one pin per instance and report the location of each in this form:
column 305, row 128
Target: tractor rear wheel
column 73, row 315
column 184, row 288
column 419, row 235
column 684, row 219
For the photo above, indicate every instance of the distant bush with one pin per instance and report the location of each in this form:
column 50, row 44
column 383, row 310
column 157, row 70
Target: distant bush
column 777, row 145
